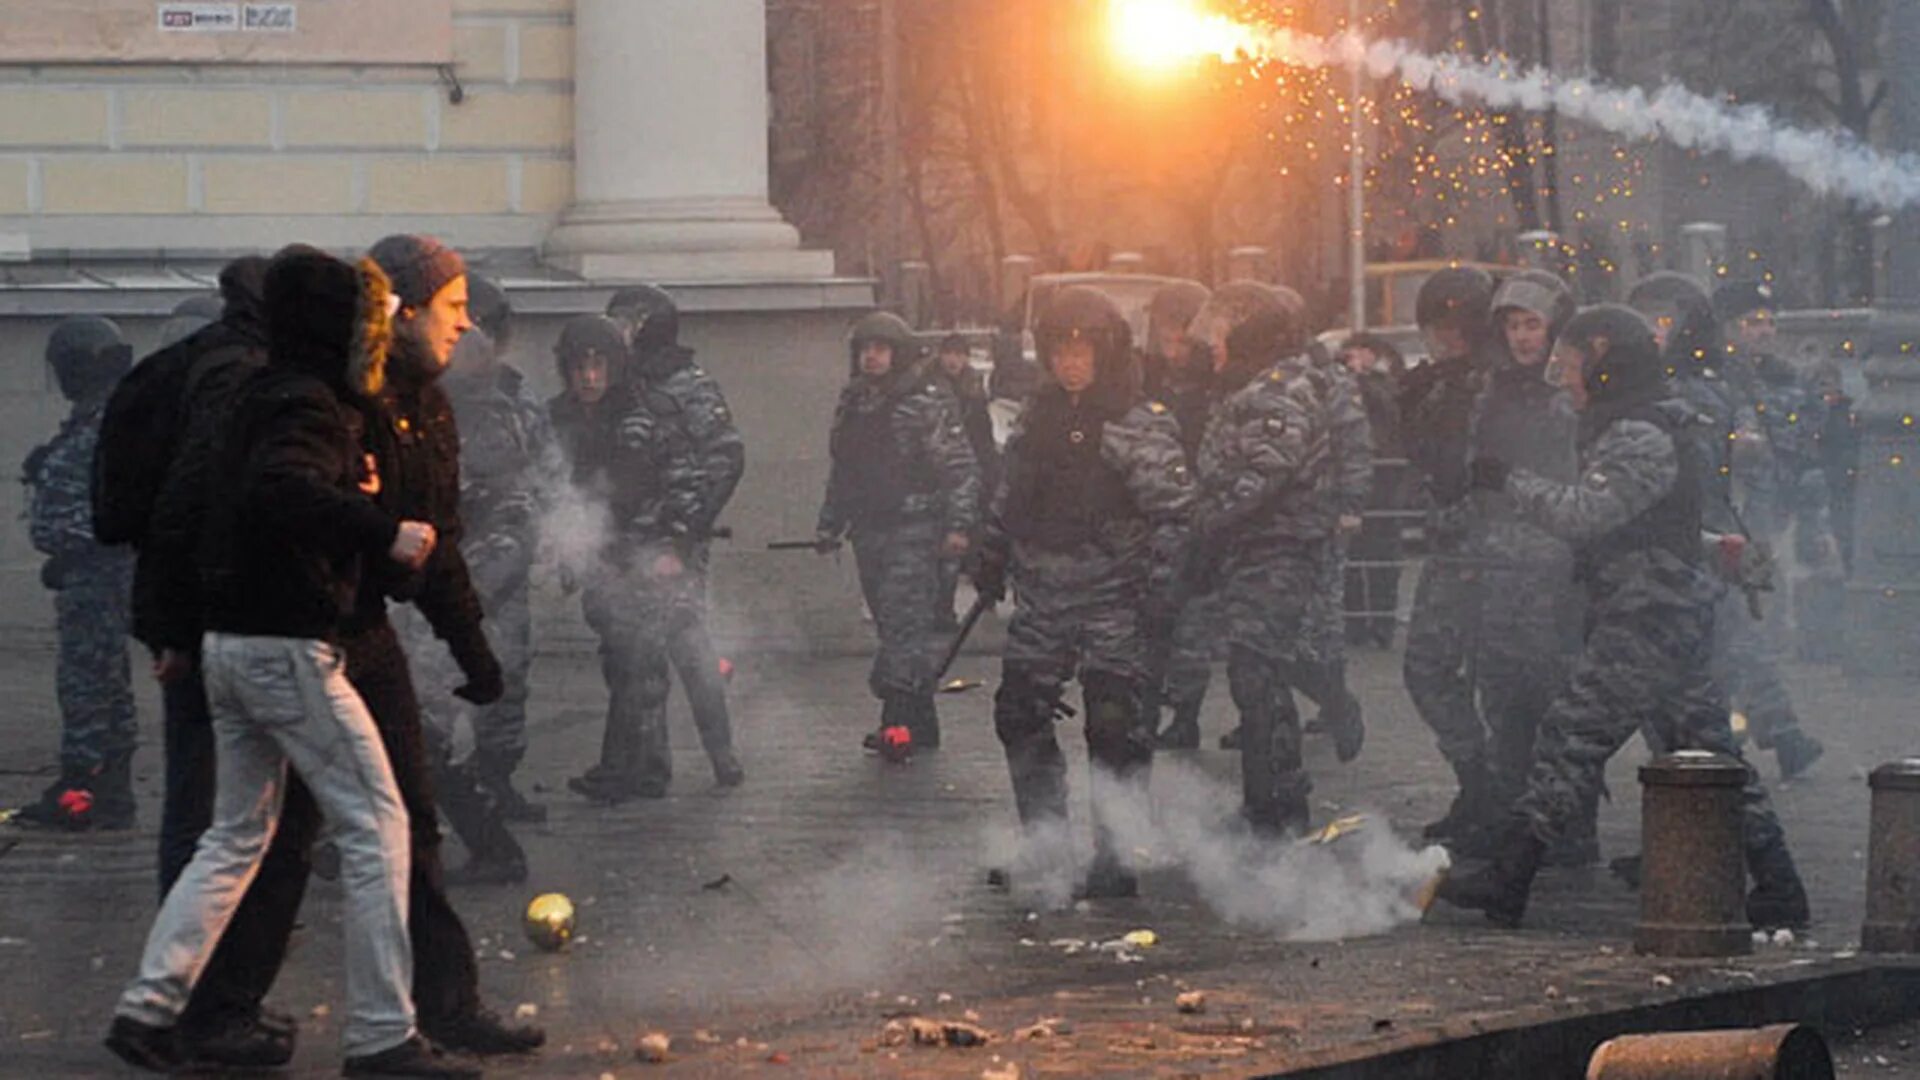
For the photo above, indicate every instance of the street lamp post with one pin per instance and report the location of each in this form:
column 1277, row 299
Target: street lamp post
column 1356, row 196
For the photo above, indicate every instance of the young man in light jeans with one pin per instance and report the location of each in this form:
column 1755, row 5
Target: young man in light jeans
column 289, row 524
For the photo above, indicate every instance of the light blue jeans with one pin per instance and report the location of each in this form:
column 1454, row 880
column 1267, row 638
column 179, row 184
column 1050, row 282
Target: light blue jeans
column 277, row 702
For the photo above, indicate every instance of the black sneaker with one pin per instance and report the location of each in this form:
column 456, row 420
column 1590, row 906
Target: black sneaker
column 514, row 806
column 415, row 1057
column 727, row 772
column 483, row 1032
column 143, row 1046
column 604, row 788
column 239, row 1044
column 1231, row 740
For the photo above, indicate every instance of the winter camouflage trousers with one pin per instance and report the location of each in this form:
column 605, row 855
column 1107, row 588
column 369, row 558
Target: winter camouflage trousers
column 900, row 577
column 1439, row 646
column 93, row 677
column 1645, row 662
column 1272, row 613
column 455, row 728
column 1060, row 630
column 1746, row 664
column 1196, row 642
column 638, row 617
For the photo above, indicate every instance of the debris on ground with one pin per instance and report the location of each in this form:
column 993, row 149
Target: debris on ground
column 526, row 1010
column 718, row 883
column 1008, row 1071
column 653, row 1047
column 1141, row 939
column 920, row 1031
column 960, row 686
column 1192, row 1002
column 1047, row 1027
column 1663, row 981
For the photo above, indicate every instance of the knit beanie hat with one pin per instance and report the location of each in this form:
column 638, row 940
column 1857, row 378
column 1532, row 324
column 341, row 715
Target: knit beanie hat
column 418, row 266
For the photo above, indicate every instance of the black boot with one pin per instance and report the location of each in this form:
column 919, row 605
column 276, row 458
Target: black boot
column 1473, row 805
column 1796, row 751
column 143, row 1046
column 923, row 720
column 1778, row 899
column 1107, row 879
column 239, row 1043
column 415, row 1057
column 727, row 771
column 1579, row 846
column 1231, row 740
column 1500, row 888
column 67, row 803
column 1345, row 723
column 601, row 785
column 482, row 1032
column 496, row 776
column 1184, row 732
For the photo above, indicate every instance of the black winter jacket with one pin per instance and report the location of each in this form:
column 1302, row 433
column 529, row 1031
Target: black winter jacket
column 288, row 529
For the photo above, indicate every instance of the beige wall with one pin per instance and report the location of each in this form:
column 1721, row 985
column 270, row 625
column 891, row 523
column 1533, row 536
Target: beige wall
column 98, row 158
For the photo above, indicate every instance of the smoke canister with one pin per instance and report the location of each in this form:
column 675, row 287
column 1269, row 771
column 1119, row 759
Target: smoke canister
column 1693, row 883
column 1893, row 860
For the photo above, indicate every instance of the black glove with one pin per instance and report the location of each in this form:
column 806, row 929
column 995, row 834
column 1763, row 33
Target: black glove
column 485, row 683
column 1489, row 474
column 989, row 578
column 53, row 573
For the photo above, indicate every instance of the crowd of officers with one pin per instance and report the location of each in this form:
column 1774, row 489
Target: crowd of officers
column 322, row 504
column 1602, row 491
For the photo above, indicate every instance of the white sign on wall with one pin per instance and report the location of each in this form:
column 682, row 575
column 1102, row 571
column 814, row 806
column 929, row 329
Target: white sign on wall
column 237, row 32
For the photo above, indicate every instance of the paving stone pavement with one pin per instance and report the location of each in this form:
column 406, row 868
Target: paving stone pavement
column 854, row 890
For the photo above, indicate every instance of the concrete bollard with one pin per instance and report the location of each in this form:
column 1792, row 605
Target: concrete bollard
column 1693, row 875
column 1779, row 1052
column 1893, row 860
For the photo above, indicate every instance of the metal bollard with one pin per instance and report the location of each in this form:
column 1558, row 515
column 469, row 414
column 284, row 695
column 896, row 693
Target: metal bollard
column 1693, row 876
column 1779, row 1052
column 1893, row 860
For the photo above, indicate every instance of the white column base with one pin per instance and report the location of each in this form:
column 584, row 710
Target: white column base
column 683, row 240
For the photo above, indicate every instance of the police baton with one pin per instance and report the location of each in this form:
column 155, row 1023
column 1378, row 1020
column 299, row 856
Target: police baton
column 980, row 605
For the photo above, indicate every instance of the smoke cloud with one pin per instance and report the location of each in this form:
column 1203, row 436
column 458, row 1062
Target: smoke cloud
column 1829, row 162
column 1361, row 884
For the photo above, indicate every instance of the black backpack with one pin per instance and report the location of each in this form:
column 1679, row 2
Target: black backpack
column 141, row 430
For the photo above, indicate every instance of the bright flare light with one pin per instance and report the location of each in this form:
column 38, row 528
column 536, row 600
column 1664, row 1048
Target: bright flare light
column 1160, row 35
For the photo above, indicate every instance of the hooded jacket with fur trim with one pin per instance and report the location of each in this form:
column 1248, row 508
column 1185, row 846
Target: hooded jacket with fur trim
column 288, row 527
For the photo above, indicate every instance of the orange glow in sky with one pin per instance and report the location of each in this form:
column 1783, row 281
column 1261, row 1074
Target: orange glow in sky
column 1158, row 36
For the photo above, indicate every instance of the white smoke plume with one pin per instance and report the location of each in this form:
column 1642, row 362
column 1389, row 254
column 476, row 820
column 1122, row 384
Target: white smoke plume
column 1361, row 884
column 575, row 530
column 1830, row 162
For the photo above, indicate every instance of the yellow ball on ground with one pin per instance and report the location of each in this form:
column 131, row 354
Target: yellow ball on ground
column 549, row 921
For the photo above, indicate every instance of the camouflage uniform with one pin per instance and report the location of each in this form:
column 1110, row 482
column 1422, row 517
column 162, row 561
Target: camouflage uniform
column 1188, row 396
column 1090, row 526
column 93, row 587
column 903, row 477
column 683, row 397
column 1767, row 476
column 1438, row 414
column 509, row 462
column 1344, row 491
column 1524, row 607
column 1262, row 530
column 1635, row 517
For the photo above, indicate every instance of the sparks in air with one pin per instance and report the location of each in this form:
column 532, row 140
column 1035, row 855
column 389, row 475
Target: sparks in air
column 1161, row 35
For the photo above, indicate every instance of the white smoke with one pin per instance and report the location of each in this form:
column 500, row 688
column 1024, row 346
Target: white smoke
column 1829, row 162
column 1364, row 883
column 574, row 531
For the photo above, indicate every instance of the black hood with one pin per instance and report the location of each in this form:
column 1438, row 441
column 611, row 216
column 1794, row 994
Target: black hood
column 328, row 319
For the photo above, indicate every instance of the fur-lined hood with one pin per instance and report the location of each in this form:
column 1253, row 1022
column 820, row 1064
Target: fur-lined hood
column 329, row 319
